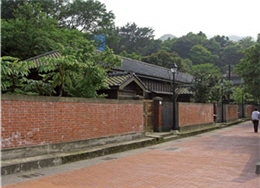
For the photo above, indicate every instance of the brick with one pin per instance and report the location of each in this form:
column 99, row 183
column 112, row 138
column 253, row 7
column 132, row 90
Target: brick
column 57, row 122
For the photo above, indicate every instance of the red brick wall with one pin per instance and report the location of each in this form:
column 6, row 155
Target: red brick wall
column 28, row 121
column 248, row 110
column 231, row 112
column 195, row 114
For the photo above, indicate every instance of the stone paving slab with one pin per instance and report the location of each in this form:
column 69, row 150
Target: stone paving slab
column 221, row 158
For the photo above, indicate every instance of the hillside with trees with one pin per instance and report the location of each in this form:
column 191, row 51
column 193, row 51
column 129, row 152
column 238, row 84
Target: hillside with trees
column 166, row 36
column 30, row 28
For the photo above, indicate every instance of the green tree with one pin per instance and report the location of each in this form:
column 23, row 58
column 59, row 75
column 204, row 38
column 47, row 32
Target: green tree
column 246, row 42
column 133, row 55
column 249, row 68
column 28, row 34
column 7, row 8
column 165, row 59
column 212, row 45
column 113, row 38
column 80, row 70
column 14, row 74
column 86, row 15
column 183, row 44
column 231, row 54
column 188, row 64
column 223, row 42
column 134, row 39
column 199, row 55
column 53, row 8
column 32, row 32
column 206, row 76
column 239, row 95
column 215, row 94
column 167, row 44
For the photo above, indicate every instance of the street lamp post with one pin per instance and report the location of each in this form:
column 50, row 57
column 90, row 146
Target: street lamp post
column 175, row 122
column 222, row 105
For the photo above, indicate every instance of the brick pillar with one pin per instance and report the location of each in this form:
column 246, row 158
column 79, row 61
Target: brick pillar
column 157, row 112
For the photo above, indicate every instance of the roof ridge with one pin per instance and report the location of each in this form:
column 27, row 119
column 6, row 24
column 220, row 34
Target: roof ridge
column 142, row 62
column 42, row 55
column 118, row 73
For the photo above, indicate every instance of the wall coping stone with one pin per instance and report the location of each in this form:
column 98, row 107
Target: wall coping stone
column 6, row 97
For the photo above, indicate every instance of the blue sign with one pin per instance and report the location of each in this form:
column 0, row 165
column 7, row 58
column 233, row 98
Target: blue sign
column 101, row 42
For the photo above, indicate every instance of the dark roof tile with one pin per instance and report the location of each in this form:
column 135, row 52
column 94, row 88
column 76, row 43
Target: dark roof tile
column 38, row 59
column 132, row 66
column 119, row 79
column 147, row 69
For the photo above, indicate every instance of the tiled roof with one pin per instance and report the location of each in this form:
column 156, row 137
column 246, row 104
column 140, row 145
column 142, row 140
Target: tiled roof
column 122, row 79
column 132, row 66
column 117, row 80
column 177, row 91
column 150, row 70
column 183, row 91
column 38, row 61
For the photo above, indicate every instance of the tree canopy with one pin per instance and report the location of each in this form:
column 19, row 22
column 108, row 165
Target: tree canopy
column 199, row 55
column 134, row 39
column 165, row 59
column 206, row 76
column 30, row 28
column 249, row 69
column 14, row 74
column 80, row 70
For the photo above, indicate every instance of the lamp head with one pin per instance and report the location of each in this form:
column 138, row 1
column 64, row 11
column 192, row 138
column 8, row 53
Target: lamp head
column 174, row 68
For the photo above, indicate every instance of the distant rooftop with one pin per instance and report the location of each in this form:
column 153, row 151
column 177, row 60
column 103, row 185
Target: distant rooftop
column 147, row 69
column 38, row 61
column 132, row 66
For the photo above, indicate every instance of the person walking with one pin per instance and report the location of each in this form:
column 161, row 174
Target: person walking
column 255, row 119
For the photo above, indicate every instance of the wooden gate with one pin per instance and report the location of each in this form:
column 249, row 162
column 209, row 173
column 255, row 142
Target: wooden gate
column 148, row 116
column 167, row 116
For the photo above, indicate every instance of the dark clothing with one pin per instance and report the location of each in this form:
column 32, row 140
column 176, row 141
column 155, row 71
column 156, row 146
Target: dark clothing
column 256, row 123
column 255, row 119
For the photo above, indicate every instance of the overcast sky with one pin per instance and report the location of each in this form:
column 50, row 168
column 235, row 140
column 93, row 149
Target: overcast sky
column 179, row 17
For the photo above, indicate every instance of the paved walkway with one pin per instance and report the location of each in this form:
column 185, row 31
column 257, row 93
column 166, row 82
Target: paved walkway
column 221, row 158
